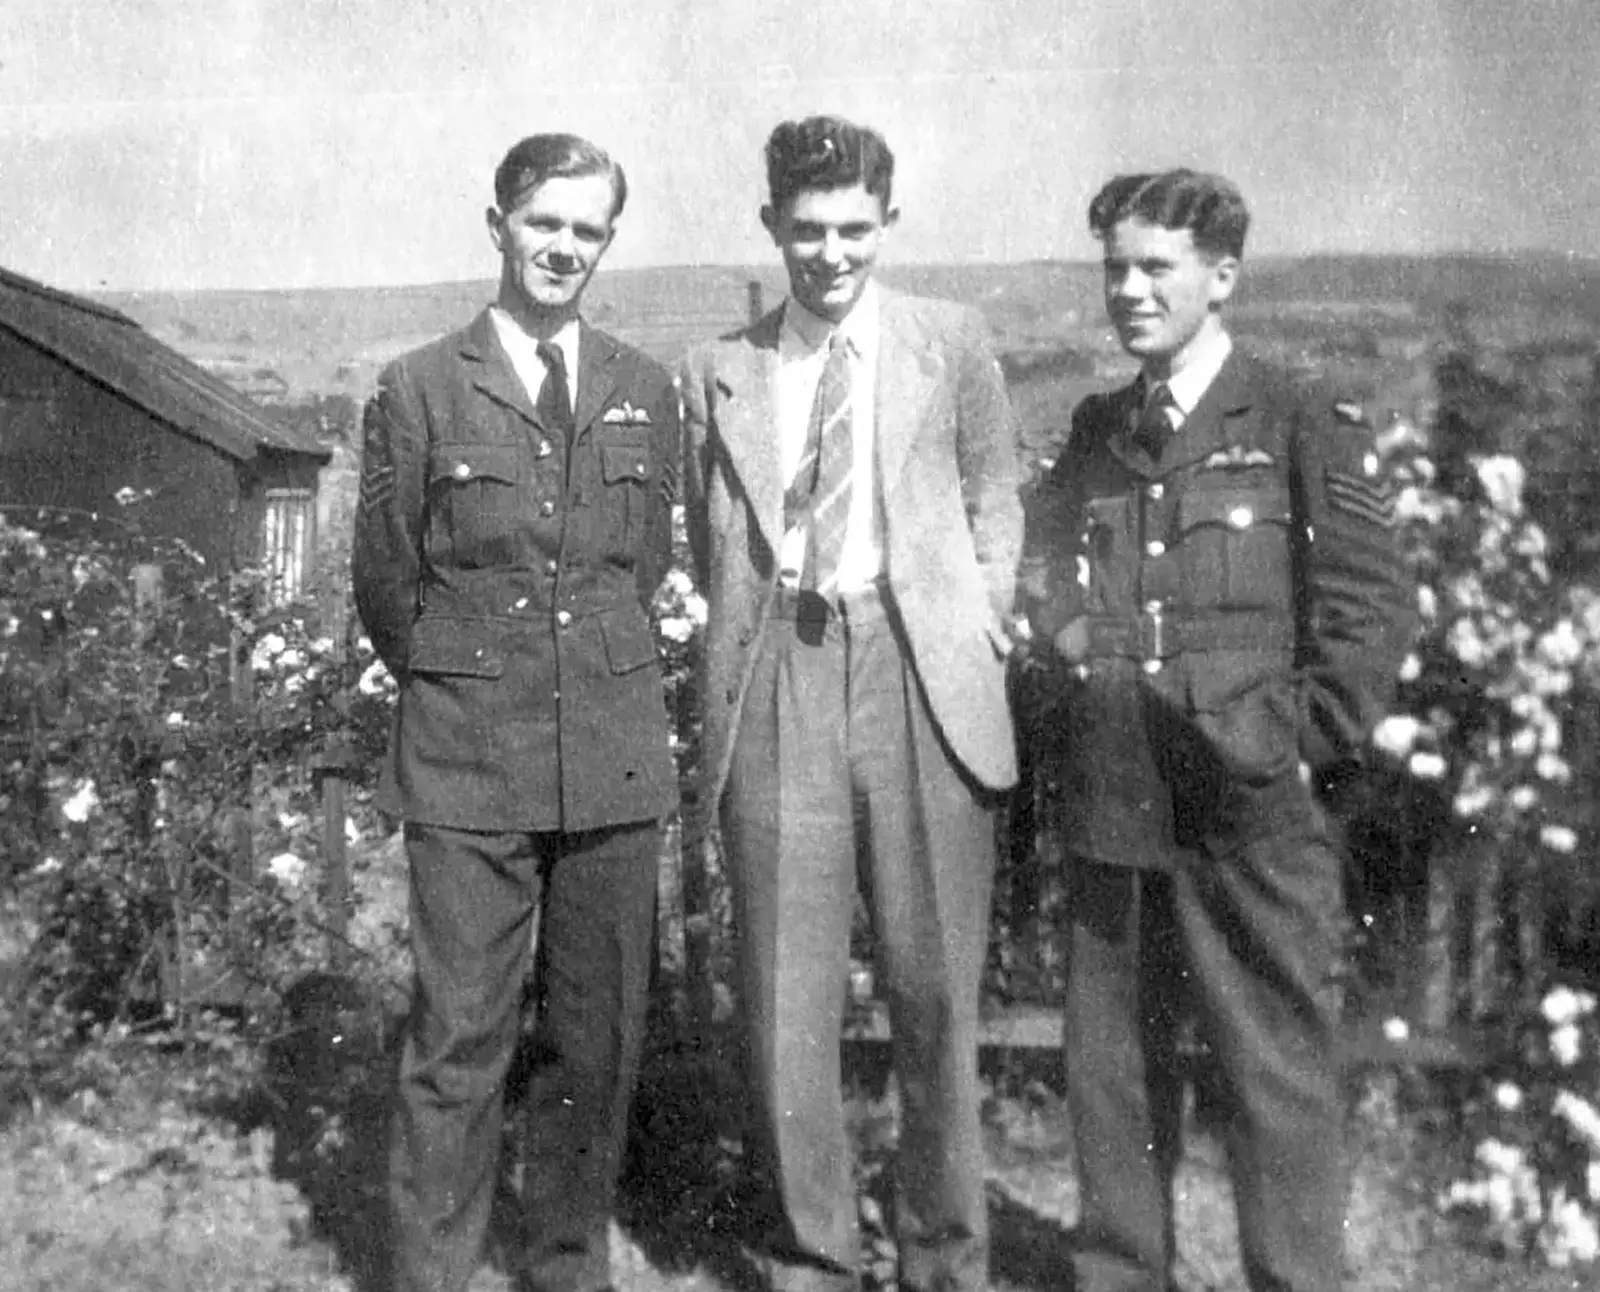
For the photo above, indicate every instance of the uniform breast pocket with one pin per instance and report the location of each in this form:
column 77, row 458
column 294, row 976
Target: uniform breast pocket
column 1106, row 563
column 1237, row 548
column 474, row 502
column 624, row 475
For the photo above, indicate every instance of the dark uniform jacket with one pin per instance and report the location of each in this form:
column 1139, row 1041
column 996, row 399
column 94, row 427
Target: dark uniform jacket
column 1220, row 615
column 503, row 576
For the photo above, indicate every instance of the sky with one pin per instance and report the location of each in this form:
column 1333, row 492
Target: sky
column 173, row 144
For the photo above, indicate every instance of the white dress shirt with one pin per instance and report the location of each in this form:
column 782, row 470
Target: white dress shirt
column 1190, row 383
column 523, row 351
column 802, row 354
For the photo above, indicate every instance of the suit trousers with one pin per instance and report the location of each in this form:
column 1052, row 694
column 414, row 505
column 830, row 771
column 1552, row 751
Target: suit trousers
column 1245, row 940
column 474, row 900
column 842, row 783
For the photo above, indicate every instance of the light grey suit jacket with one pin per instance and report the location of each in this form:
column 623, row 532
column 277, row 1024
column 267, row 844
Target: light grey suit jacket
column 953, row 523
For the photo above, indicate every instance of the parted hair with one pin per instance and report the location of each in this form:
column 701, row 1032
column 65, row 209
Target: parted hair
column 827, row 152
column 1209, row 206
column 532, row 161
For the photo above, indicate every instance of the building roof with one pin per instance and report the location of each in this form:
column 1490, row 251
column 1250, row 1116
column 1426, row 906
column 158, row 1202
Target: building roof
column 112, row 350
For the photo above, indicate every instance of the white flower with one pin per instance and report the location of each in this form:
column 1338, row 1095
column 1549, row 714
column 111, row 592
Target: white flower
column 1524, row 797
column 1472, row 801
column 677, row 628
column 267, row 649
column 1561, row 1005
column 1592, row 1179
column 1571, row 1236
column 82, row 803
column 176, row 721
column 293, row 657
column 1552, row 767
column 1558, row 838
column 1501, row 476
column 1427, row 603
column 352, row 832
column 1467, row 644
column 1428, row 767
column 1562, row 645
column 694, row 606
column 679, row 583
column 1411, row 667
column 287, row 869
column 48, row 866
column 375, row 680
column 1578, row 1113
column 1396, row 1030
column 1508, row 1096
column 1525, row 743
column 322, row 645
column 1397, row 734
column 1566, row 1044
column 126, row 496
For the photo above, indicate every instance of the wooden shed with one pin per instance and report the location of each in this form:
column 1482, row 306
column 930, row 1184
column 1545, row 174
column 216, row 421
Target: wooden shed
column 91, row 405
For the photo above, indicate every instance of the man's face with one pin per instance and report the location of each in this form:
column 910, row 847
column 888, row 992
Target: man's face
column 829, row 238
column 550, row 243
column 1161, row 289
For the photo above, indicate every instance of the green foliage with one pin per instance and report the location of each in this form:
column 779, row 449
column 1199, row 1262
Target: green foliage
column 159, row 807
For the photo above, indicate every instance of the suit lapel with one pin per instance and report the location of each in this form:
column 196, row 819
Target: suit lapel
column 1124, row 413
column 597, row 375
column 1205, row 430
column 492, row 373
column 907, row 375
column 745, row 373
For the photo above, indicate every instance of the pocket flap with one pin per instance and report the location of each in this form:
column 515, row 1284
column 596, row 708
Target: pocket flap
column 459, row 647
column 620, row 462
column 629, row 643
column 1234, row 508
column 463, row 462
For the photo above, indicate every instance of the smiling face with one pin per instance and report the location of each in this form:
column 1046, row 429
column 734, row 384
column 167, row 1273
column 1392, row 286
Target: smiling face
column 550, row 244
column 1162, row 292
column 830, row 238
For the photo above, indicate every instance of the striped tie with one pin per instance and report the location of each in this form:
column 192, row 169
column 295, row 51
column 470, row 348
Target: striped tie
column 820, row 491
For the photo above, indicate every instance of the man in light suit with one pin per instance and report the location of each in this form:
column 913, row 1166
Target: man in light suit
column 851, row 490
column 515, row 517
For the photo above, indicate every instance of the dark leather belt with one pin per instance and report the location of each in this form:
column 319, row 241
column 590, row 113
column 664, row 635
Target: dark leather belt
column 868, row 605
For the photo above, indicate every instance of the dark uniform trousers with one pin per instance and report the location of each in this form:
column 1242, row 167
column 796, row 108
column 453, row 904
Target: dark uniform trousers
column 840, row 777
column 1220, row 613
column 474, row 900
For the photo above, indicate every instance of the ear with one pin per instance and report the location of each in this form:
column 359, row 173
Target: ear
column 769, row 221
column 891, row 217
column 1224, row 275
column 497, row 227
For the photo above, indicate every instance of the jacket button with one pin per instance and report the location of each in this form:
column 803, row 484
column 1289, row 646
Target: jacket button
column 521, row 604
column 1154, row 492
column 462, row 471
column 563, row 617
column 1155, row 547
column 547, row 508
column 1240, row 517
column 1153, row 607
column 544, row 448
column 550, row 567
column 1152, row 666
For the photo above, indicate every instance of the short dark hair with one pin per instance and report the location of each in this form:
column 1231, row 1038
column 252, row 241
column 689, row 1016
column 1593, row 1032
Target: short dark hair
column 827, row 152
column 1209, row 206
column 532, row 161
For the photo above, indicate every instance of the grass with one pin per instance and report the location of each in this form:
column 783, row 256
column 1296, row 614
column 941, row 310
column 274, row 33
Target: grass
column 269, row 1179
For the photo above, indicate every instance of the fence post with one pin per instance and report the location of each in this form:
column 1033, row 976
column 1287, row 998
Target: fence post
column 331, row 769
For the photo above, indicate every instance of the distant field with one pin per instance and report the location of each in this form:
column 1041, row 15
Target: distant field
column 1369, row 323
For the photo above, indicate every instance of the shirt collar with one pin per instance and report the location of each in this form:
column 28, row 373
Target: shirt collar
column 1191, row 382
column 513, row 334
column 859, row 327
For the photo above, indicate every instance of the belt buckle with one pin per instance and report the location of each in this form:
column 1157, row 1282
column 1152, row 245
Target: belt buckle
column 1152, row 635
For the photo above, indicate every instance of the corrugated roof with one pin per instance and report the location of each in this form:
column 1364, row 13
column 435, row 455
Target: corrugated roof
column 110, row 348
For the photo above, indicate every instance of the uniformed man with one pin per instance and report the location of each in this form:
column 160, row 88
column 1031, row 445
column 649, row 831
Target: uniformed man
column 1210, row 570
column 514, row 521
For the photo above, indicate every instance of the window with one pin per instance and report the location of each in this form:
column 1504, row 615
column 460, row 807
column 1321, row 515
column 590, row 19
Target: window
column 287, row 533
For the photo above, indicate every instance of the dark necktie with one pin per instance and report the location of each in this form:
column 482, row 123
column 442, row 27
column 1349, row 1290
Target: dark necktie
column 821, row 488
column 1154, row 427
column 554, row 406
